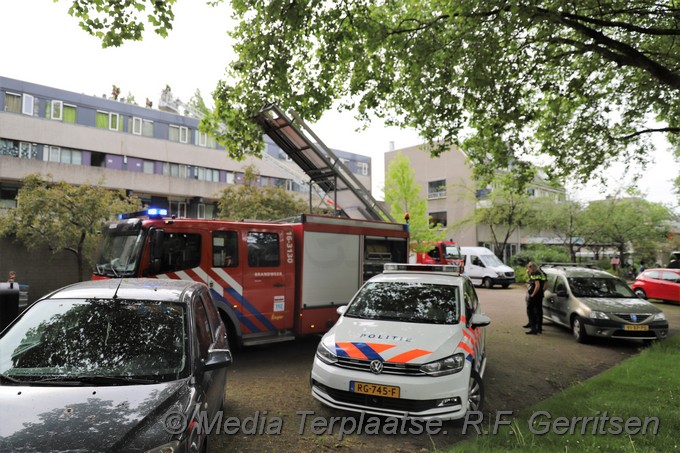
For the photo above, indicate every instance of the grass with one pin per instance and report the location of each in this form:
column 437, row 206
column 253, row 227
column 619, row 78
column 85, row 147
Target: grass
column 640, row 388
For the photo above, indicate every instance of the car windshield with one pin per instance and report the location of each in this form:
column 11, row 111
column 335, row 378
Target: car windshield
column 491, row 260
column 406, row 302
column 599, row 287
column 74, row 339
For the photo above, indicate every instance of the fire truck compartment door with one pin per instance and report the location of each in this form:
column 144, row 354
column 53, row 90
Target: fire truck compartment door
column 331, row 269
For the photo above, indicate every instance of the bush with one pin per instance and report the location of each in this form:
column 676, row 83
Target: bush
column 539, row 254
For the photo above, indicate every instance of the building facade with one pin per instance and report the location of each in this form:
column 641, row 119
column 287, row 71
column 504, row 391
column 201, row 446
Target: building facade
column 452, row 196
column 160, row 156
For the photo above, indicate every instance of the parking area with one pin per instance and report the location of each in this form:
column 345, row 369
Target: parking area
column 269, row 382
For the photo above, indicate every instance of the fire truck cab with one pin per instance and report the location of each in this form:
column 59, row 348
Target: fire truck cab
column 271, row 281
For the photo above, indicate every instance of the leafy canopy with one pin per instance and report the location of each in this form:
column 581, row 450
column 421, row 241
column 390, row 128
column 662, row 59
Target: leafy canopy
column 577, row 80
column 403, row 195
column 63, row 217
column 252, row 202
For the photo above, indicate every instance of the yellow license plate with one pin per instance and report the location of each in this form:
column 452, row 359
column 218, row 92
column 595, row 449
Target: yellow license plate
column 387, row 391
column 628, row 327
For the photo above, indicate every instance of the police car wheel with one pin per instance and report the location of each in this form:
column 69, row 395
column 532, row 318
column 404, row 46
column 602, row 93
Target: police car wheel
column 475, row 392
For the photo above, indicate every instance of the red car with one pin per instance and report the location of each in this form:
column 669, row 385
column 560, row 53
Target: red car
column 661, row 284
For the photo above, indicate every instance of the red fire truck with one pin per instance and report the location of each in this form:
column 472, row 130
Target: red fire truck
column 271, row 281
column 444, row 252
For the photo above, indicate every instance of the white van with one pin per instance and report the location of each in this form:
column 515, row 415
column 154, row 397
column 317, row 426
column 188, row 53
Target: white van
column 484, row 268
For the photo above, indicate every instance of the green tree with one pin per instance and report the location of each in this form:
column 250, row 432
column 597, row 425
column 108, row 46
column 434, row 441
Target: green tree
column 504, row 210
column 505, row 80
column 633, row 221
column 197, row 104
column 250, row 201
column 403, row 195
column 63, row 216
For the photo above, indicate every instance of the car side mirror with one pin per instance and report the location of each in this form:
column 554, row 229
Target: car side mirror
column 480, row 320
column 217, row 358
column 341, row 310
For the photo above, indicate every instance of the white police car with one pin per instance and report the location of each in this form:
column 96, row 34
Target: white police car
column 409, row 344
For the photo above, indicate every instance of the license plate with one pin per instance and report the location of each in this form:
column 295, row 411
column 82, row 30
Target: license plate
column 387, row 391
column 629, row 327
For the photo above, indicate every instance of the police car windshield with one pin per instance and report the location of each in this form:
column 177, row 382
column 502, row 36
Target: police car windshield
column 599, row 287
column 406, row 302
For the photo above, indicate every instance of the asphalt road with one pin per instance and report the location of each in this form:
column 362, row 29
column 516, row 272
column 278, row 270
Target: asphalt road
column 269, row 385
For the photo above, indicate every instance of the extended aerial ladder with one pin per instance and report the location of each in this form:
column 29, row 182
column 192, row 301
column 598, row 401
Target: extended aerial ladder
column 322, row 166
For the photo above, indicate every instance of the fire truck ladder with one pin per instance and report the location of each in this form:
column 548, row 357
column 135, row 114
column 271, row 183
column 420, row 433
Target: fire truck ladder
column 322, row 166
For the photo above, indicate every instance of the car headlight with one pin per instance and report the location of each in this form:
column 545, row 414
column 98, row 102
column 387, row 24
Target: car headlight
column 170, row 447
column 448, row 365
column 325, row 355
column 659, row 317
column 598, row 315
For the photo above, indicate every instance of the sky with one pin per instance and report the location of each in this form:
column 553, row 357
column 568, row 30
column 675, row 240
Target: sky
column 41, row 43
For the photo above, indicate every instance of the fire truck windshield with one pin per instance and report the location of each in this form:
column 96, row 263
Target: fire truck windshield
column 120, row 254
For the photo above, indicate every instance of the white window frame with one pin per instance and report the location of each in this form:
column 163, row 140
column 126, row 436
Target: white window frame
column 202, row 138
column 137, row 125
column 181, row 210
column 289, row 185
column 183, row 134
column 50, row 150
column 60, row 116
column 363, row 167
column 200, row 210
column 113, row 115
column 27, row 104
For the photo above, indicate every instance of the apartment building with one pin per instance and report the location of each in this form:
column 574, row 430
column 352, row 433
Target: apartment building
column 156, row 154
column 447, row 184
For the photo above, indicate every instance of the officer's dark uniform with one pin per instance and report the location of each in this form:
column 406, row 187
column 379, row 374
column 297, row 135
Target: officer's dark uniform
column 535, row 308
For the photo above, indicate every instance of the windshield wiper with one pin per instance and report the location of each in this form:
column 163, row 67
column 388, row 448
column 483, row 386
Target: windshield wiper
column 96, row 380
column 4, row 378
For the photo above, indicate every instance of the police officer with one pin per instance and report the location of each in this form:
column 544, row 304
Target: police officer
column 535, row 287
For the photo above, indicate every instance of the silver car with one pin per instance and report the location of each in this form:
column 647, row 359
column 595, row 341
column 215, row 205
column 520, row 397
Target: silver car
column 594, row 303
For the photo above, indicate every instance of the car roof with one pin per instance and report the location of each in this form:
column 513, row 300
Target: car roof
column 128, row 288
column 430, row 278
column 577, row 271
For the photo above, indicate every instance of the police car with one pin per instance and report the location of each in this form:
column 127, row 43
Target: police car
column 409, row 344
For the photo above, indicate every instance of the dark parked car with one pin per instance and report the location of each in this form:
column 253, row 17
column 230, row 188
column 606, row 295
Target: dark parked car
column 662, row 284
column 594, row 303
column 106, row 365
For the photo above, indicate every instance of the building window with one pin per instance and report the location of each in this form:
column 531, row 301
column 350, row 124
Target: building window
column 178, row 134
column 148, row 167
column 28, row 106
column 8, row 198
column 230, row 177
column 147, row 128
column 200, row 211
column 69, row 113
column 201, row 138
column 28, row 150
column 136, row 125
column 363, row 168
column 108, row 120
column 12, row 103
column 437, row 218
column 55, row 110
column 436, row 189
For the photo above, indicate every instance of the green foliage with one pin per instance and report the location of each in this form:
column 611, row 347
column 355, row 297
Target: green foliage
column 404, row 196
column 506, row 81
column 116, row 21
column 540, row 254
column 63, row 216
column 605, row 395
column 252, row 202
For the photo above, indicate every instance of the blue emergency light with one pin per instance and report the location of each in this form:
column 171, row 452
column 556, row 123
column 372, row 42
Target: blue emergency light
column 152, row 213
